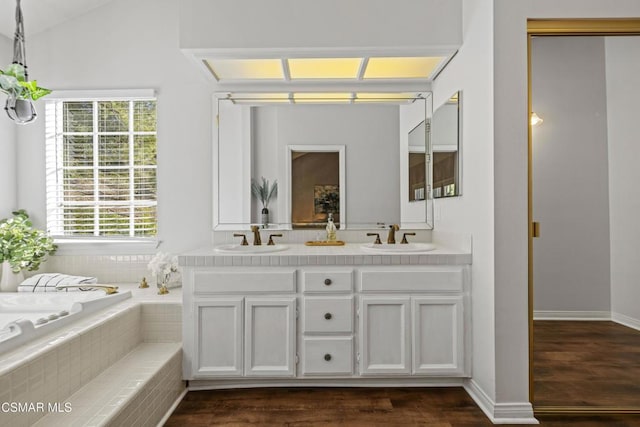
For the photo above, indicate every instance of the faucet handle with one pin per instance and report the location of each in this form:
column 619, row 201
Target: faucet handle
column 404, row 237
column 244, row 238
column 377, row 242
column 271, row 236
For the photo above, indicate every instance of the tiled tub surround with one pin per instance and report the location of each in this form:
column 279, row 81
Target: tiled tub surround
column 327, row 316
column 107, row 268
column 21, row 313
column 60, row 366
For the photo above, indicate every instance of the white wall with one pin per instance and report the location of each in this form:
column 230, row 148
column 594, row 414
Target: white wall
column 510, row 169
column 7, row 144
column 623, row 92
column 471, row 71
column 570, row 174
column 313, row 24
column 132, row 44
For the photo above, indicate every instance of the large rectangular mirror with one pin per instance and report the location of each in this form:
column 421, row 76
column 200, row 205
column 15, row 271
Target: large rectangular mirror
column 447, row 132
column 303, row 142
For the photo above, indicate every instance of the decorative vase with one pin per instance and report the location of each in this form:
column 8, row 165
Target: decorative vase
column 9, row 280
column 265, row 217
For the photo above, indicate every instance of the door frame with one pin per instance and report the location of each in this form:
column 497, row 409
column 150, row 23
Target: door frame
column 563, row 27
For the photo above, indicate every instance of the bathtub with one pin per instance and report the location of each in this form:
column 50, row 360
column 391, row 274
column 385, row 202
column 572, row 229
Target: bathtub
column 27, row 316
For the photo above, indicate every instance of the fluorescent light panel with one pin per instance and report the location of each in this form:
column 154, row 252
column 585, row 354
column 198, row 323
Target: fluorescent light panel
column 322, row 97
column 401, row 67
column 246, row 69
column 324, row 68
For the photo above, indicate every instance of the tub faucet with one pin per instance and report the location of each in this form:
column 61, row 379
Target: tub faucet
column 391, row 238
column 256, row 235
column 107, row 289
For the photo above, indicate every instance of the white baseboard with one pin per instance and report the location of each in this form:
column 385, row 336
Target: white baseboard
column 571, row 315
column 500, row 413
column 172, row 408
column 626, row 320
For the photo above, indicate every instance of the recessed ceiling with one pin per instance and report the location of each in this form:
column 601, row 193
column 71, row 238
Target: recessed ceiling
column 354, row 69
column 40, row 15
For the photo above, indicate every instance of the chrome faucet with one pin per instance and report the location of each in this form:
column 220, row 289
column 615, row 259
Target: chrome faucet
column 391, row 238
column 257, row 241
column 107, row 289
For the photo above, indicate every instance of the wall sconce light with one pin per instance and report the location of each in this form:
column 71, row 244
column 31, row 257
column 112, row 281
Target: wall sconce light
column 535, row 119
column 14, row 80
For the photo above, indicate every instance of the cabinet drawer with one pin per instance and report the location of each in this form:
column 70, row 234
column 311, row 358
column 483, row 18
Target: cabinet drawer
column 447, row 279
column 327, row 281
column 233, row 281
column 328, row 356
column 331, row 314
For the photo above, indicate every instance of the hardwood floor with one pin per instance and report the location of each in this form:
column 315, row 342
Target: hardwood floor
column 588, row 363
column 576, row 364
column 437, row 407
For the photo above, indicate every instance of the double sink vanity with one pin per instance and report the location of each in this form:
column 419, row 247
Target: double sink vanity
column 281, row 313
column 358, row 314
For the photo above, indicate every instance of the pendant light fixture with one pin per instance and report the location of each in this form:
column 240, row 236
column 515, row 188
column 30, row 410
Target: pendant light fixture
column 14, row 81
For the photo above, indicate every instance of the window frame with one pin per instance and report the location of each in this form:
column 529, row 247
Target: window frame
column 55, row 171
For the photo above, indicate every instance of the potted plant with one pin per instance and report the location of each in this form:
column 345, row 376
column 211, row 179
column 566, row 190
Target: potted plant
column 20, row 92
column 264, row 193
column 22, row 247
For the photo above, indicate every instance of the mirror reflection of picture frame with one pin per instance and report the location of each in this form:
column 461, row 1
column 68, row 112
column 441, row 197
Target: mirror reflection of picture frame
column 326, row 199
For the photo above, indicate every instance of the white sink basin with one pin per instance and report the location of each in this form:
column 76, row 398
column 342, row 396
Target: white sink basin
column 398, row 248
column 250, row 249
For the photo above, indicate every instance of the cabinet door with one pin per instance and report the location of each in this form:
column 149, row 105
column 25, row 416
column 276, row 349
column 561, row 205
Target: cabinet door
column 438, row 336
column 270, row 337
column 218, row 338
column 384, row 335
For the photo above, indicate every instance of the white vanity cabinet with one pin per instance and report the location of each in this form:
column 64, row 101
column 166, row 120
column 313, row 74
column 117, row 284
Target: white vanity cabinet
column 323, row 325
column 412, row 322
column 327, row 322
column 244, row 323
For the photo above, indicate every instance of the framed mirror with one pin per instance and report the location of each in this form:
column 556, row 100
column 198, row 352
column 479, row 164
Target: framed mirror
column 283, row 138
column 446, row 134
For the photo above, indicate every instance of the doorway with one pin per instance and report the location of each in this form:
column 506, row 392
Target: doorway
column 575, row 189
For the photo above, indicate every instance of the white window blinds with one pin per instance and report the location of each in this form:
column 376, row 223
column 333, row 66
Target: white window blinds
column 101, row 167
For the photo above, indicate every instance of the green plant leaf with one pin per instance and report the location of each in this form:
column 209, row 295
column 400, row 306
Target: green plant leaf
column 9, row 83
column 17, row 71
column 39, row 92
column 30, row 85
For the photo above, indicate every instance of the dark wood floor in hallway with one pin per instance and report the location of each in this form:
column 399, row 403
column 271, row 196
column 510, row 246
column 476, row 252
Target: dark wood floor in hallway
column 437, row 407
column 586, row 363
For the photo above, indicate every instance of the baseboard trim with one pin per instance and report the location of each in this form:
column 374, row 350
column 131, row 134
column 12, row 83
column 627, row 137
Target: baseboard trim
column 500, row 413
column 571, row 315
column 173, row 407
column 626, row 320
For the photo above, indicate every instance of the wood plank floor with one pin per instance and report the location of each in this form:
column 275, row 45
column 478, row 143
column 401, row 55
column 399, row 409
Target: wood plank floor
column 590, row 363
column 437, row 407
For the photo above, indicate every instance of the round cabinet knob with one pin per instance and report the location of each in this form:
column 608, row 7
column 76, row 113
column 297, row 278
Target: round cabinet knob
column 327, row 357
column 327, row 282
column 328, row 316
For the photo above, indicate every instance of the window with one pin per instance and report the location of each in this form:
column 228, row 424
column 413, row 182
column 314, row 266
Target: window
column 101, row 168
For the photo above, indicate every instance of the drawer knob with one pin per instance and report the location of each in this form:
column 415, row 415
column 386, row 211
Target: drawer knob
column 327, row 282
column 328, row 316
column 327, row 357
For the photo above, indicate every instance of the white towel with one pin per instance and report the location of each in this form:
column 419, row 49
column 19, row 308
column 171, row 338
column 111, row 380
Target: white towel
column 52, row 282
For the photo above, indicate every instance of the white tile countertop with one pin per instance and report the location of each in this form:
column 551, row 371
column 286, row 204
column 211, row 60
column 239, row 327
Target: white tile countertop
column 349, row 254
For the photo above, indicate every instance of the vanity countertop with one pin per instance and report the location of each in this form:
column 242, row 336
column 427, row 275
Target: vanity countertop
column 301, row 255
